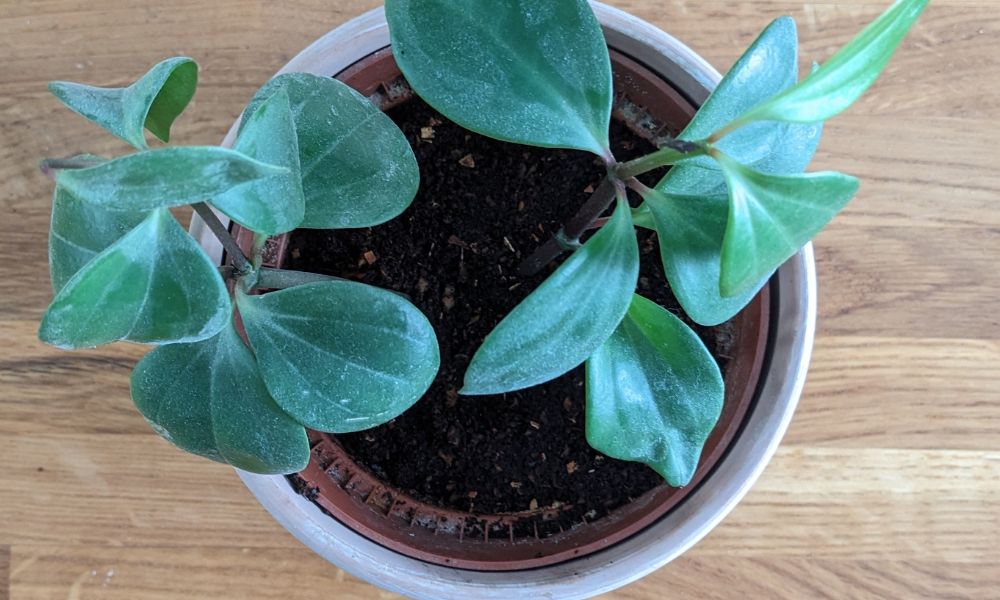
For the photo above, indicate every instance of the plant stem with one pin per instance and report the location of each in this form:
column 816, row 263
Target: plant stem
column 570, row 233
column 601, row 199
column 672, row 152
column 637, row 186
column 227, row 272
column 257, row 250
column 727, row 129
column 598, row 223
column 50, row 165
column 240, row 260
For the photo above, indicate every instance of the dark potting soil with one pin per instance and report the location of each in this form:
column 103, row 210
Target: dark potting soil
column 483, row 206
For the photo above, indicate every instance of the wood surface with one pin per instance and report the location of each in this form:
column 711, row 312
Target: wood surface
column 887, row 485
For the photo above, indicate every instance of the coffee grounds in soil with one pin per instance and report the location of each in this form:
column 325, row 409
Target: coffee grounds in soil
column 482, row 207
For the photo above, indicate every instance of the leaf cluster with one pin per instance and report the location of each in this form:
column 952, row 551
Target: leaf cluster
column 735, row 206
column 327, row 354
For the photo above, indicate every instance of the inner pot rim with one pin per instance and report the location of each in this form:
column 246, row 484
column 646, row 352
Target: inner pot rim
column 350, row 493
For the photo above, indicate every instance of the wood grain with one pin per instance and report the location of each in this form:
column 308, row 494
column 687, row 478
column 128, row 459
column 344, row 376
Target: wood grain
column 166, row 573
column 888, row 484
column 902, row 393
column 723, row 578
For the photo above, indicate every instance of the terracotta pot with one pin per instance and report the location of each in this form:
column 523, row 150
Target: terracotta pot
column 528, row 539
column 405, row 545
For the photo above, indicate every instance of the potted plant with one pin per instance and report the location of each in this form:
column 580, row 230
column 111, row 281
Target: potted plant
column 665, row 296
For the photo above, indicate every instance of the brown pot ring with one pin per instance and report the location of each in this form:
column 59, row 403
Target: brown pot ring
column 653, row 109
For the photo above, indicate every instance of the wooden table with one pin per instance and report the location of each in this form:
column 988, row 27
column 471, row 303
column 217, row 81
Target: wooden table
column 887, row 485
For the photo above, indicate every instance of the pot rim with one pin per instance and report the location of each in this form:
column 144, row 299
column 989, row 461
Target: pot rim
column 389, row 515
column 793, row 329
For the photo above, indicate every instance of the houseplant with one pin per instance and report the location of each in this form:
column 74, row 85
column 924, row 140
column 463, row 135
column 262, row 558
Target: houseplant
column 123, row 269
column 639, row 214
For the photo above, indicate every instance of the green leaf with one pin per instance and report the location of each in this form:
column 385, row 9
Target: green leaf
column 768, row 66
column 208, row 398
column 154, row 285
column 163, row 178
column 153, row 102
column 276, row 204
column 690, row 230
column 654, row 393
column 80, row 231
column 358, row 169
column 771, row 217
column 341, row 356
column 535, row 73
column 836, row 85
column 692, row 209
column 563, row 321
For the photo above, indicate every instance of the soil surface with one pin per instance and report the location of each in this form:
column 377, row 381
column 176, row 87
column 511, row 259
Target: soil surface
column 483, row 206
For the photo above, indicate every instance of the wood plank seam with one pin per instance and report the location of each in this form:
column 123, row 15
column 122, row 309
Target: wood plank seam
column 4, row 572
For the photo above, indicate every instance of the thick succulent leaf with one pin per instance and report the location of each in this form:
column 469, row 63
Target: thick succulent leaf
column 358, row 169
column 208, row 398
column 153, row 102
column 771, row 217
column 79, row 231
column 691, row 230
column 691, row 217
column 341, row 356
column 165, row 177
column 523, row 71
column 273, row 205
column 154, row 285
column 836, row 85
column 768, row 66
column 563, row 321
column 654, row 393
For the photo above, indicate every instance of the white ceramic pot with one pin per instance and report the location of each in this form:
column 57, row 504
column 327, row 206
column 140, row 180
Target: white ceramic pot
column 792, row 330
